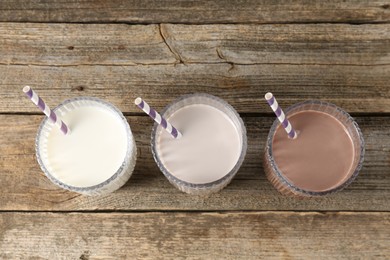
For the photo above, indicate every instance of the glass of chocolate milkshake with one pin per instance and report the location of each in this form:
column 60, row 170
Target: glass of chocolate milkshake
column 326, row 156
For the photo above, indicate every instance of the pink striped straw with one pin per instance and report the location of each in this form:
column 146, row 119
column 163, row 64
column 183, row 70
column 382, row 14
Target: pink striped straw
column 46, row 110
column 280, row 115
column 157, row 118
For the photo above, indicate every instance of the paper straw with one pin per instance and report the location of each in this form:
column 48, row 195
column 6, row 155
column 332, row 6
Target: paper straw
column 280, row 115
column 157, row 118
column 53, row 117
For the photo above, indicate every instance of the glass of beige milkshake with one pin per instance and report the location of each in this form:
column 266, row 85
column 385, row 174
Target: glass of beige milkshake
column 326, row 156
column 212, row 147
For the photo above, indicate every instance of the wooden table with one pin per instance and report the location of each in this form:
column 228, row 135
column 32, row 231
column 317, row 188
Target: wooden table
column 118, row 50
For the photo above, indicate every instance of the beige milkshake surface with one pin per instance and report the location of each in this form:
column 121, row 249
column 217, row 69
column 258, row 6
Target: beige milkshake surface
column 209, row 148
column 320, row 158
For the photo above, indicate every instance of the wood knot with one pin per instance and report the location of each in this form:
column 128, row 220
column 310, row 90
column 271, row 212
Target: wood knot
column 386, row 6
column 121, row 47
column 85, row 255
column 78, row 88
column 71, row 48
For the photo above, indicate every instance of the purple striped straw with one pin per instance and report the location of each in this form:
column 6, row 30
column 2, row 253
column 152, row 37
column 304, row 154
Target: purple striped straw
column 46, row 110
column 157, row 118
column 281, row 116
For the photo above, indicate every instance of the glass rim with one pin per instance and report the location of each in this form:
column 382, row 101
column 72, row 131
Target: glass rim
column 293, row 187
column 122, row 168
column 156, row 128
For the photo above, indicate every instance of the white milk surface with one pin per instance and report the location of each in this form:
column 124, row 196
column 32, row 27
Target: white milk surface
column 209, row 149
column 92, row 152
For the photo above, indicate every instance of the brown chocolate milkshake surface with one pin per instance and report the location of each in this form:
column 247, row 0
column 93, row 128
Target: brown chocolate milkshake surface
column 320, row 158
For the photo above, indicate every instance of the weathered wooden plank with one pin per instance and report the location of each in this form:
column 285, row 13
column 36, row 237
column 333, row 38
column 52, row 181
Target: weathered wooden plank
column 355, row 88
column 207, row 11
column 281, row 44
column 283, row 235
column 75, row 44
column 119, row 44
column 24, row 187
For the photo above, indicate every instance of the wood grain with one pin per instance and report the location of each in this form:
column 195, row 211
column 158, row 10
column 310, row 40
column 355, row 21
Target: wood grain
column 344, row 64
column 207, row 11
column 267, row 235
column 119, row 44
column 280, row 44
column 355, row 88
column 76, row 44
column 24, row 187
